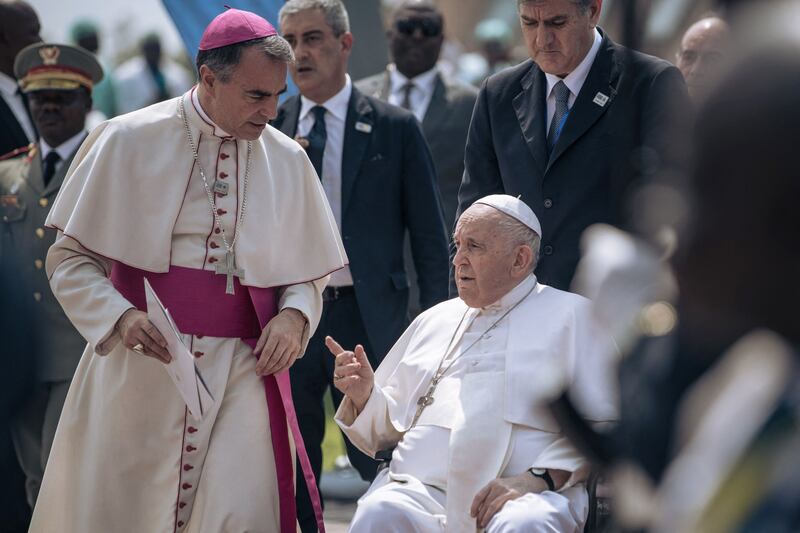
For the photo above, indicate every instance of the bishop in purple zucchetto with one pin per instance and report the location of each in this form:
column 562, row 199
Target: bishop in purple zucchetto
column 235, row 26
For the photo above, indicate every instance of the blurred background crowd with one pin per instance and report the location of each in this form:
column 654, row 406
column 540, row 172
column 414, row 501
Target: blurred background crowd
column 706, row 312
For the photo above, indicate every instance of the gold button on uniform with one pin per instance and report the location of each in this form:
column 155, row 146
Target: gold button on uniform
column 37, row 296
column 39, row 264
column 40, row 233
column 43, row 202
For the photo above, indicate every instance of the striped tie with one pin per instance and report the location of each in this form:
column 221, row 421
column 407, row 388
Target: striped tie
column 562, row 93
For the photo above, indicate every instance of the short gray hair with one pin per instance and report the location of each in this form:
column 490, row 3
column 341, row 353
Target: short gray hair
column 583, row 5
column 334, row 11
column 518, row 234
column 223, row 60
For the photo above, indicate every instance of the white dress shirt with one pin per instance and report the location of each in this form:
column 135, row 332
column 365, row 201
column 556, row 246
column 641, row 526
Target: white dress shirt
column 335, row 117
column 420, row 95
column 424, row 449
column 64, row 150
column 574, row 80
column 9, row 92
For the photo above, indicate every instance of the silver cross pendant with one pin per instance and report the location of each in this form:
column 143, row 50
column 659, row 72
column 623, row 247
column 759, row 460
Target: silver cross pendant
column 229, row 269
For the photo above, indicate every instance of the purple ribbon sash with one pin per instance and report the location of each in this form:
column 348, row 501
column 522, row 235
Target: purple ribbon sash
column 197, row 301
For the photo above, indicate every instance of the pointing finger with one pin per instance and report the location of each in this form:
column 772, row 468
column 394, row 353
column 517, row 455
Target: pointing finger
column 333, row 346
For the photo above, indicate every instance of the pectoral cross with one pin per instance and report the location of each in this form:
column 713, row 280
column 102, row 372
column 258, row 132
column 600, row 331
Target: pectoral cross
column 229, row 269
column 425, row 400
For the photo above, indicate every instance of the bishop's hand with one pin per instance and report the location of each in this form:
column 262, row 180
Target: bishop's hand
column 140, row 335
column 352, row 373
column 281, row 342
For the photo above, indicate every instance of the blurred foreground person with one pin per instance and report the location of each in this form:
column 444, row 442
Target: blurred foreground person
column 704, row 47
column 575, row 130
column 737, row 434
column 58, row 81
column 148, row 78
column 226, row 219
column 460, row 398
column 19, row 27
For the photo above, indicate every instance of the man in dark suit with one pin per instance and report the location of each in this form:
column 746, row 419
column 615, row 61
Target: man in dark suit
column 413, row 81
column 442, row 104
column 58, row 81
column 380, row 181
column 19, row 27
column 575, row 130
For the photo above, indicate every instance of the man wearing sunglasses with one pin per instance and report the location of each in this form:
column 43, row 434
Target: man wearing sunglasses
column 442, row 104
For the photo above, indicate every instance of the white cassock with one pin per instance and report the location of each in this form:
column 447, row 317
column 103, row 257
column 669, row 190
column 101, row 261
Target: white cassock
column 127, row 456
column 488, row 418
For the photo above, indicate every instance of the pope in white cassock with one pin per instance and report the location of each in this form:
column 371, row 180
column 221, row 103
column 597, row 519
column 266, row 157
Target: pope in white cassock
column 226, row 218
column 461, row 396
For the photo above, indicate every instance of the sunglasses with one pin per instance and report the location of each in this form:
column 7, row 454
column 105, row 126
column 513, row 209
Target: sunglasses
column 429, row 28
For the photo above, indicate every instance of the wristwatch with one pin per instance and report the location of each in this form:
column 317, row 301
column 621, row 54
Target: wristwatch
column 544, row 475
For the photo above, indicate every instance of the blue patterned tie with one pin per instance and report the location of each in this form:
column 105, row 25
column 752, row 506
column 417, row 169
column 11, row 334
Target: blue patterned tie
column 561, row 92
column 317, row 138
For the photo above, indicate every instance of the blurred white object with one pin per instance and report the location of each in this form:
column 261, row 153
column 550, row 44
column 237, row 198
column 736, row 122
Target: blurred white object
column 631, row 286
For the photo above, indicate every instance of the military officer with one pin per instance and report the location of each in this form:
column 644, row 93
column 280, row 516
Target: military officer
column 58, row 81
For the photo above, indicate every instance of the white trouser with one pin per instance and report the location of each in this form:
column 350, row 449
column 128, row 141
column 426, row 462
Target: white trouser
column 412, row 507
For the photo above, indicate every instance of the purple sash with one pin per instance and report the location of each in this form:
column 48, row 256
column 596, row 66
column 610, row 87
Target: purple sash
column 197, row 301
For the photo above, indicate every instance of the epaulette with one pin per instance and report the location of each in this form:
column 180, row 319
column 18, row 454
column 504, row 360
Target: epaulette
column 30, row 149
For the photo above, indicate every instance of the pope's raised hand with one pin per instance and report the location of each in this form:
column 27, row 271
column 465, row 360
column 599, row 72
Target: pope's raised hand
column 352, row 373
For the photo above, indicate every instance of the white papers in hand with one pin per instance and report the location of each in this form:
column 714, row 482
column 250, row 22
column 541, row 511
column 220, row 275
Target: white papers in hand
column 181, row 368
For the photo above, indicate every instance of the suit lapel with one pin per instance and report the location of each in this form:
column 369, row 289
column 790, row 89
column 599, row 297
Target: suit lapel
column 9, row 122
column 289, row 116
column 359, row 111
column 585, row 112
column 531, row 113
column 436, row 114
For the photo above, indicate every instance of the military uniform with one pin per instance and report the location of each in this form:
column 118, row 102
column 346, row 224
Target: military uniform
column 26, row 197
column 24, row 204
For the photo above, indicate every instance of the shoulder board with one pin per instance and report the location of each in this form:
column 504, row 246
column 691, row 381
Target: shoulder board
column 18, row 151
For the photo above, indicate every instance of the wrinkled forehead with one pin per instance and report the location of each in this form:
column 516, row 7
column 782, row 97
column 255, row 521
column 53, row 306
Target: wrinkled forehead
column 479, row 217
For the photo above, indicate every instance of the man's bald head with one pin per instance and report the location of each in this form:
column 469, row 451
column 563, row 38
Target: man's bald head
column 703, row 49
column 494, row 253
column 19, row 27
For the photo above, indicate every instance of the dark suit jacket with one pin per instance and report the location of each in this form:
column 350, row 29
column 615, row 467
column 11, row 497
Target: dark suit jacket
column 590, row 174
column 445, row 126
column 388, row 187
column 12, row 135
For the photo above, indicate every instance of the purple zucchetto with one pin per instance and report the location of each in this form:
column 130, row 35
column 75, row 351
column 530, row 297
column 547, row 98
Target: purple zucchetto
column 235, row 26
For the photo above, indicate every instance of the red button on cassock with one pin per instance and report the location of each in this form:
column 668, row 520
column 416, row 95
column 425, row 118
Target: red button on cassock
column 216, row 230
column 214, row 245
column 223, row 175
column 221, row 212
column 182, row 505
column 187, row 467
column 192, row 429
column 199, row 354
column 212, row 259
column 190, row 448
column 223, row 156
column 180, row 523
column 186, row 486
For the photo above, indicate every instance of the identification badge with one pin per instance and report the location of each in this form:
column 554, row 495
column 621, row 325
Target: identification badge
column 221, row 188
column 600, row 99
column 363, row 127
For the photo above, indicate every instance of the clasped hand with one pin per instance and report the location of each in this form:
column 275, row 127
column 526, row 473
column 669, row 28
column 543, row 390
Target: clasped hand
column 352, row 373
